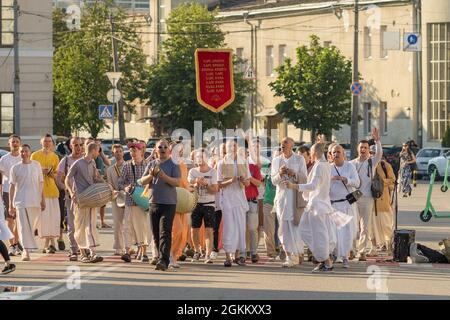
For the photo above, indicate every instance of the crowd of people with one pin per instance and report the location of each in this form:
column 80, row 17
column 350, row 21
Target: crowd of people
column 314, row 205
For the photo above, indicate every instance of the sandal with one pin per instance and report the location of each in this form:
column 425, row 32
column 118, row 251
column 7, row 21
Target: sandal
column 85, row 259
column 73, row 257
column 227, row 263
column 96, row 258
column 106, row 226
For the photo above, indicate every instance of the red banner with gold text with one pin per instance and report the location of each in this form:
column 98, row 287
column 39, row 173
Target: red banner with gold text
column 214, row 73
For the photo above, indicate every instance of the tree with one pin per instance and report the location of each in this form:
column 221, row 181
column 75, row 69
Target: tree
column 316, row 90
column 172, row 85
column 83, row 58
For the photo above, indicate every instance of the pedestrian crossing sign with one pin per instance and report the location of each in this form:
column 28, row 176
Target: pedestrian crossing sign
column 105, row 112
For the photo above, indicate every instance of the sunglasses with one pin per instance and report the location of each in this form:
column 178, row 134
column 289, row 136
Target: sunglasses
column 163, row 147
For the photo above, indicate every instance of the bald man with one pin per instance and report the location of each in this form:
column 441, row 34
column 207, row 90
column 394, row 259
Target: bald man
column 344, row 180
column 64, row 166
column 288, row 167
column 318, row 224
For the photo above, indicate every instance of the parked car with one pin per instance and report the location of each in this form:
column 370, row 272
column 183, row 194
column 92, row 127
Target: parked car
column 440, row 164
column 3, row 152
column 425, row 155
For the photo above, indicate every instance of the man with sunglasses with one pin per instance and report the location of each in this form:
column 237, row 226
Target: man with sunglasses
column 163, row 176
column 366, row 167
column 63, row 168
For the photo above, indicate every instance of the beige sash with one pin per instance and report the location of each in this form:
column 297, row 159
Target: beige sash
column 300, row 202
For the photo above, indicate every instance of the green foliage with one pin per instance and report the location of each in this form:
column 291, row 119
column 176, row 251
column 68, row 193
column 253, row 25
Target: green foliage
column 81, row 60
column 316, row 90
column 446, row 138
column 172, row 85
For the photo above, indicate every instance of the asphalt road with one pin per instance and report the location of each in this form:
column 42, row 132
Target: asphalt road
column 54, row 277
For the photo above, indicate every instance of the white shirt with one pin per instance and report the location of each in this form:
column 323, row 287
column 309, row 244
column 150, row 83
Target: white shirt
column 232, row 196
column 317, row 190
column 203, row 195
column 337, row 189
column 362, row 168
column 284, row 198
column 6, row 163
column 28, row 181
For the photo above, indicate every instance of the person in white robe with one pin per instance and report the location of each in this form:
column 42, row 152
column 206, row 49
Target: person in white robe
column 233, row 176
column 319, row 222
column 366, row 167
column 344, row 180
column 26, row 197
column 288, row 166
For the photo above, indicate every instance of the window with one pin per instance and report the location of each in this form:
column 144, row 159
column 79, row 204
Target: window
column 367, row 117
column 429, row 153
column 327, row 44
column 7, row 23
column 367, row 43
column 383, row 117
column 282, row 55
column 240, row 67
column 6, row 113
column 269, row 61
column 383, row 51
column 439, row 89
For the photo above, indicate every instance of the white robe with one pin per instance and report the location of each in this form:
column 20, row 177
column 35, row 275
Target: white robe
column 288, row 233
column 234, row 206
column 320, row 221
column 5, row 233
column 347, row 234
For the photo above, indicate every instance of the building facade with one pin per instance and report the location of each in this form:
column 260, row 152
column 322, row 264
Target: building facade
column 405, row 94
column 35, row 99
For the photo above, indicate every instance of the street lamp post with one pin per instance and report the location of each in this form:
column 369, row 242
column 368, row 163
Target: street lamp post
column 114, row 77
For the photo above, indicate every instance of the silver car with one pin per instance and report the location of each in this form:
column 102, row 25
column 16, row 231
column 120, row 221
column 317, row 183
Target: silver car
column 425, row 155
column 439, row 164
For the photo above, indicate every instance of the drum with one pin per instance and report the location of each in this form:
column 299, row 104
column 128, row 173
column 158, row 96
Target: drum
column 141, row 200
column 402, row 241
column 186, row 201
column 95, row 196
column 120, row 200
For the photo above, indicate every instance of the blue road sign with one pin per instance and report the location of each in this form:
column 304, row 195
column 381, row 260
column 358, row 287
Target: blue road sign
column 105, row 112
column 356, row 88
column 412, row 39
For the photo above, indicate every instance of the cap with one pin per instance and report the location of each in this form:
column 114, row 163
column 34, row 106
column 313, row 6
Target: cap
column 136, row 145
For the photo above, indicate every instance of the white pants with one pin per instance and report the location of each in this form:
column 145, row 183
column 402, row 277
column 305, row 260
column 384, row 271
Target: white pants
column 86, row 234
column 50, row 219
column 290, row 237
column 26, row 224
column 234, row 225
column 365, row 217
column 319, row 233
column 347, row 234
column 119, row 221
column 139, row 222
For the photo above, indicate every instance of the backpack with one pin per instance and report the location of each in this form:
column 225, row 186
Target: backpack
column 377, row 183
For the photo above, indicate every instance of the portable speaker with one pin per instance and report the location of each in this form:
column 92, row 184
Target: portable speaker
column 402, row 242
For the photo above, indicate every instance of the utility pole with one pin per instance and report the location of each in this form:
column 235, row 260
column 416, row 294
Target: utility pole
column 16, row 69
column 417, row 22
column 252, row 66
column 116, row 69
column 355, row 97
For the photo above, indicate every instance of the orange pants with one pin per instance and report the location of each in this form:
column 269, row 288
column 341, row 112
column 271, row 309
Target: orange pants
column 180, row 230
